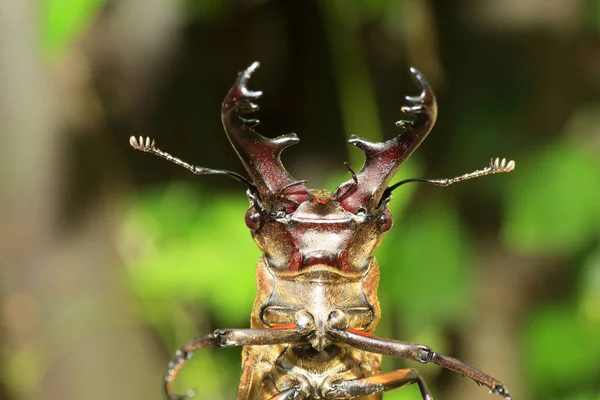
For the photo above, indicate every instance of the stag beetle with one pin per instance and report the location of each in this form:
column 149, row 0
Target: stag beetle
column 316, row 305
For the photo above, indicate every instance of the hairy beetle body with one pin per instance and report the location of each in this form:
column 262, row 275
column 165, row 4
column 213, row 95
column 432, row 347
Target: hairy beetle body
column 314, row 293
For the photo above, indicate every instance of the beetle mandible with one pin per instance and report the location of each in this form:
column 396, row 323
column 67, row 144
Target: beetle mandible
column 316, row 303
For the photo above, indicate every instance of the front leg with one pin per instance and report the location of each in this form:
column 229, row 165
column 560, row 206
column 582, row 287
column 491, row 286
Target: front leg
column 423, row 354
column 377, row 384
column 224, row 338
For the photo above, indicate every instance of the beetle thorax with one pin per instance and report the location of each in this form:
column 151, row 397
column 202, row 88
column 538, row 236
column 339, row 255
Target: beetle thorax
column 318, row 233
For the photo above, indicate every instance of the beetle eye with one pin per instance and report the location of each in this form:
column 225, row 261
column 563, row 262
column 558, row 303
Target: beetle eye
column 386, row 221
column 252, row 219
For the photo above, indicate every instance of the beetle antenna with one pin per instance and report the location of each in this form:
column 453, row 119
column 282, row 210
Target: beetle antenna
column 496, row 166
column 347, row 188
column 148, row 145
column 352, row 173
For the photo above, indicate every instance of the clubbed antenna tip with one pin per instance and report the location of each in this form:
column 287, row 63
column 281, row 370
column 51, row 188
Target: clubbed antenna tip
column 496, row 166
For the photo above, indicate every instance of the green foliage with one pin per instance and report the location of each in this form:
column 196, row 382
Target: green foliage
column 425, row 267
column 561, row 349
column 553, row 198
column 64, row 20
column 407, row 393
column 589, row 302
column 193, row 248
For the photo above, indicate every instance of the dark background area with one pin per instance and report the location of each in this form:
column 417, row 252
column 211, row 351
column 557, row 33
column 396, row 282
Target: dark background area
column 110, row 259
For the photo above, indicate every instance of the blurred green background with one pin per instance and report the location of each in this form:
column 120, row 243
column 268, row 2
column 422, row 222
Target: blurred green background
column 110, row 259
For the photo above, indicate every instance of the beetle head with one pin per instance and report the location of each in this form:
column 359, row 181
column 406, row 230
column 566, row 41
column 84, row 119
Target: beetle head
column 318, row 233
column 298, row 229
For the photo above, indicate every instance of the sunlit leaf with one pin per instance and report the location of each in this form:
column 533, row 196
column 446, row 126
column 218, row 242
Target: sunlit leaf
column 202, row 251
column 406, row 393
column 425, row 266
column 561, row 350
column 64, row 20
column 589, row 303
column 553, row 200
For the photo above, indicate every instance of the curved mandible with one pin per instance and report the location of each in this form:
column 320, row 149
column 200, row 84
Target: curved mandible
column 260, row 155
column 383, row 159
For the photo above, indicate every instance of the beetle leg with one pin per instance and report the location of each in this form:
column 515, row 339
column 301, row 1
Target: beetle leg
column 423, row 354
column 223, row 338
column 377, row 384
column 288, row 394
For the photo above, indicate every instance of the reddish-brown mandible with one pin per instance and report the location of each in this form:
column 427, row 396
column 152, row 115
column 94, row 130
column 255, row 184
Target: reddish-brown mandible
column 316, row 303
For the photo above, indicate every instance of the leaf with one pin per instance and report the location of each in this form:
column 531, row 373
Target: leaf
column 64, row 20
column 553, row 201
column 589, row 297
column 425, row 266
column 201, row 250
column 561, row 349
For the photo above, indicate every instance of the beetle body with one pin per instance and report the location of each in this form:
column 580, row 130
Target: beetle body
column 316, row 305
column 309, row 367
column 314, row 273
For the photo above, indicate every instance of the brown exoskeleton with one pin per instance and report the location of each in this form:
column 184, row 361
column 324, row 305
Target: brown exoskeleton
column 316, row 302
